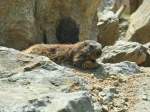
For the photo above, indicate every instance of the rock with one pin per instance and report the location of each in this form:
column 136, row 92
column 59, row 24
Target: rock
column 126, row 99
column 108, row 94
column 123, row 27
column 116, row 84
column 53, row 102
column 108, row 28
column 31, row 83
column 147, row 45
column 17, row 23
column 34, row 83
column 144, row 97
column 122, row 68
column 73, row 102
column 147, row 62
column 113, row 90
column 126, row 68
column 132, row 5
column 124, row 51
column 106, row 5
column 139, row 27
column 108, row 98
column 35, row 21
column 100, row 108
column 108, row 25
column 105, row 109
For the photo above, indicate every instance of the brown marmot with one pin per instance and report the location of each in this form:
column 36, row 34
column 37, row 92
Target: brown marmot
column 82, row 54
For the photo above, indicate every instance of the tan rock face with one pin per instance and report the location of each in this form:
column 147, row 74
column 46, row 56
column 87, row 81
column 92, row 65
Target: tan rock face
column 108, row 31
column 17, row 23
column 147, row 62
column 132, row 5
column 26, row 22
column 139, row 29
column 108, row 24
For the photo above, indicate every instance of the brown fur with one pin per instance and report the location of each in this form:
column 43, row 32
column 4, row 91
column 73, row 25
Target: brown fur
column 82, row 54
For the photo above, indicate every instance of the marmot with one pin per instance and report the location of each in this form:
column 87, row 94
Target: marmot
column 82, row 54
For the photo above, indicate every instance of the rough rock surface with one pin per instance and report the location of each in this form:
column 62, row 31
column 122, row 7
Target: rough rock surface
column 108, row 23
column 122, row 68
column 139, row 88
column 140, row 24
column 34, row 83
column 147, row 62
column 31, row 83
column 32, row 21
column 132, row 5
column 126, row 68
column 108, row 28
column 143, row 95
column 124, row 51
column 106, row 5
column 17, row 23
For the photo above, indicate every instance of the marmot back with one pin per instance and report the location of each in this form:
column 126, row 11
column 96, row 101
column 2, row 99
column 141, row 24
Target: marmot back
column 82, row 54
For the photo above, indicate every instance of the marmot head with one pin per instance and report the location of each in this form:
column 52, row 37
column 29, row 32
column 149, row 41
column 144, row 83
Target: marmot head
column 87, row 50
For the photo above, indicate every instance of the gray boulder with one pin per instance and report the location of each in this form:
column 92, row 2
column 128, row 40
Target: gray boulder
column 126, row 67
column 32, row 83
column 122, row 68
column 124, row 51
column 52, row 102
column 147, row 62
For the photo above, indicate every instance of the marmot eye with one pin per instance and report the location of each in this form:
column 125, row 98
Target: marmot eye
column 92, row 47
column 52, row 50
column 85, row 44
column 98, row 53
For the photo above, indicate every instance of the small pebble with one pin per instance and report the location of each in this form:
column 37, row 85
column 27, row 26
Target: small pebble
column 126, row 99
column 102, row 94
column 105, row 109
column 122, row 80
column 144, row 97
column 116, row 84
column 113, row 90
column 96, row 91
column 108, row 98
column 122, row 110
column 97, row 87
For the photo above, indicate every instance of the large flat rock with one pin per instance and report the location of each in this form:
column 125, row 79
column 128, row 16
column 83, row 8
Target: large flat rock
column 34, row 83
column 31, row 83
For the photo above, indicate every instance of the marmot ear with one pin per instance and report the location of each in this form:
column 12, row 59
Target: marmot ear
column 52, row 50
column 85, row 43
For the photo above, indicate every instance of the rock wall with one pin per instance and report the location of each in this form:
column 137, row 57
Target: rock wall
column 17, row 23
column 139, row 27
column 25, row 22
column 132, row 5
